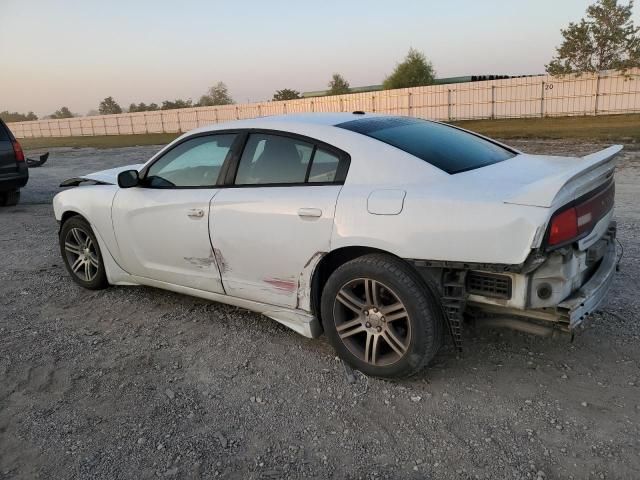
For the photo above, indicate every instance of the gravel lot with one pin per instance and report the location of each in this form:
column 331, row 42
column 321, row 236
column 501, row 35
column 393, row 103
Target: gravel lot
column 134, row 382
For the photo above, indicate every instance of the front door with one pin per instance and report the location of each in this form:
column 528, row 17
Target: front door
column 276, row 217
column 162, row 226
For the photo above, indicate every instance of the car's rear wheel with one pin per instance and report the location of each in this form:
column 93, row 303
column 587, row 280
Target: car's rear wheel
column 381, row 317
column 9, row 199
column 81, row 254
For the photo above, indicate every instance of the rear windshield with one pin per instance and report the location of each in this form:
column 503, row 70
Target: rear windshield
column 4, row 132
column 442, row 146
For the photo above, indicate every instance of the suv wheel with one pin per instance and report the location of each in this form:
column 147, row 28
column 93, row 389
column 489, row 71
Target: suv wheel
column 81, row 254
column 381, row 317
column 9, row 199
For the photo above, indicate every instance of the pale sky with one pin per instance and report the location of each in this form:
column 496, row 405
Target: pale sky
column 76, row 52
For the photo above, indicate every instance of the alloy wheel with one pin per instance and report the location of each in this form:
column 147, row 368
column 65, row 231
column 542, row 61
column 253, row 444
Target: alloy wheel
column 372, row 322
column 81, row 254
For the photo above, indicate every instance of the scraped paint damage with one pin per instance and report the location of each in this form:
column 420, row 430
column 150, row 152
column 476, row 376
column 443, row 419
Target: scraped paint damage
column 202, row 262
column 304, row 281
column 222, row 263
column 281, row 284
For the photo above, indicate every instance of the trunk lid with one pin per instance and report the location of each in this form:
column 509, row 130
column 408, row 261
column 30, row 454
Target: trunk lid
column 545, row 181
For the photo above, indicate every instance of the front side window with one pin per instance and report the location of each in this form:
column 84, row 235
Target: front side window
column 273, row 159
column 193, row 163
column 444, row 147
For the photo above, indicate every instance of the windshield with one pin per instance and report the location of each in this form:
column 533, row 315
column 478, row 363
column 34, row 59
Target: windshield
column 442, row 146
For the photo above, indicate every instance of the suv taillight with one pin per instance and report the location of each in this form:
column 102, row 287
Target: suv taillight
column 17, row 149
column 578, row 220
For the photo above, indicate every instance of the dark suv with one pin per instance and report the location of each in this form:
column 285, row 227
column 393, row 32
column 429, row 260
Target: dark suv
column 13, row 167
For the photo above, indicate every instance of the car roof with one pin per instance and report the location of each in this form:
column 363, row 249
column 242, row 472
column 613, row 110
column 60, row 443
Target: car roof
column 311, row 119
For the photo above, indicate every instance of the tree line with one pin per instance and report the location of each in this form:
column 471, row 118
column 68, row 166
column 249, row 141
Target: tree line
column 606, row 39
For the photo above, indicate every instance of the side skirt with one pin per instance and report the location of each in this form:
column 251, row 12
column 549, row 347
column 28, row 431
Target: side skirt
column 298, row 321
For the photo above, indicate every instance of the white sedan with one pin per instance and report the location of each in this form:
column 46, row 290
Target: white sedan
column 382, row 232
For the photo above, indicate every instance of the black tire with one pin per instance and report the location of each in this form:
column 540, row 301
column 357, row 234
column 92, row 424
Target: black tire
column 90, row 272
column 10, row 199
column 405, row 344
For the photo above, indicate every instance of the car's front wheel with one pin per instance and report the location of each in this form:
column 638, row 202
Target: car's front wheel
column 380, row 316
column 9, row 199
column 81, row 254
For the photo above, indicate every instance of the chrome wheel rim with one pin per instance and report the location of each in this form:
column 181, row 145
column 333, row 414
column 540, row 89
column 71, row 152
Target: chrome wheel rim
column 81, row 254
column 372, row 322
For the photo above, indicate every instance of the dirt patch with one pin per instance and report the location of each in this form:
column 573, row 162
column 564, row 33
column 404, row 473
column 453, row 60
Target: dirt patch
column 134, row 382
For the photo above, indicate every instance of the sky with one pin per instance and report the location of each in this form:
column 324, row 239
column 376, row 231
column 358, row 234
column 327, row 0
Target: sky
column 77, row 52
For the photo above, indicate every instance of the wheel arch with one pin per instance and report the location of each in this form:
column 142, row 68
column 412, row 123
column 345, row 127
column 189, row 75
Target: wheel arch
column 338, row 257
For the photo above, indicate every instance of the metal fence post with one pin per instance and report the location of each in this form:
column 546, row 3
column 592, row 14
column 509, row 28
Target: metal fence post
column 373, row 103
column 162, row 121
column 197, row 119
column 237, row 113
column 449, row 104
column 180, row 124
column 409, row 103
column 215, row 114
column 118, row 124
column 341, row 104
column 493, row 102
column 542, row 100
column 595, row 110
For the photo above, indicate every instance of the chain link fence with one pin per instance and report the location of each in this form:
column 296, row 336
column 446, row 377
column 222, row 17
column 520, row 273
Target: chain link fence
column 608, row 92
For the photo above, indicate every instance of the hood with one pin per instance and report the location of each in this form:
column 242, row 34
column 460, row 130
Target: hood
column 544, row 181
column 103, row 177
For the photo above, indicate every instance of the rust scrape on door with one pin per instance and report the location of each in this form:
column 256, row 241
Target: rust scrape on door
column 304, row 281
column 282, row 284
column 202, row 262
column 222, row 262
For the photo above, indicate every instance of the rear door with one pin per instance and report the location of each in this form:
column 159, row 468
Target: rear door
column 8, row 162
column 276, row 216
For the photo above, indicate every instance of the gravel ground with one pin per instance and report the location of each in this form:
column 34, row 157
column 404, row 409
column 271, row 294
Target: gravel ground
column 134, row 382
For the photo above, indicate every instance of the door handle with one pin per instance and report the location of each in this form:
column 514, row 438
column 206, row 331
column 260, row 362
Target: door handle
column 195, row 213
column 309, row 212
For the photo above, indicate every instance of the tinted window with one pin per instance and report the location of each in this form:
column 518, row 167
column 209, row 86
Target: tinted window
column 269, row 159
column 442, row 146
column 4, row 132
column 324, row 167
column 194, row 163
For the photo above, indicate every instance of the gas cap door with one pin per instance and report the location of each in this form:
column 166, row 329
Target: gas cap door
column 386, row 202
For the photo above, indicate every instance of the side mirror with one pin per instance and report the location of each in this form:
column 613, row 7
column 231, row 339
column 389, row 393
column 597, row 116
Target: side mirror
column 128, row 179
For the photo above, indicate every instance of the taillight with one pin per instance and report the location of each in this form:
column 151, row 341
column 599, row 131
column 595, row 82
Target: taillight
column 564, row 227
column 17, row 149
column 579, row 219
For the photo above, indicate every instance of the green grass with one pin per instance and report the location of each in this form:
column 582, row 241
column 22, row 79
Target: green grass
column 102, row 141
column 618, row 128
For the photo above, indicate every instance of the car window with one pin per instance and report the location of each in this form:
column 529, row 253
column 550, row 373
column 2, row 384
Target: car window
column 324, row 167
column 443, row 146
column 269, row 159
column 4, row 132
column 194, row 163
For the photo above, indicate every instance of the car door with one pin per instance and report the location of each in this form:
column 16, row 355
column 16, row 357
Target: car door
column 276, row 215
column 162, row 226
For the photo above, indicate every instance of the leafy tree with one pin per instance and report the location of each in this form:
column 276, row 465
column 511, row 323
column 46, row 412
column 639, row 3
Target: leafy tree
column 143, row 107
column 606, row 39
column 64, row 112
column 17, row 117
column 216, row 95
column 338, row 85
column 109, row 106
column 286, row 94
column 178, row 103
column 414, row 71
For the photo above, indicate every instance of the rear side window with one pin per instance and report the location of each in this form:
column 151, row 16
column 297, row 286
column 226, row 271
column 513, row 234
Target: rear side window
column 4, row 133
column 442, row 146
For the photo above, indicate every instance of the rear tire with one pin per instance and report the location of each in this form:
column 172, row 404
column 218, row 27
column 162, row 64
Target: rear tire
column 381, row 317
column 10, row 199
column 81, row 254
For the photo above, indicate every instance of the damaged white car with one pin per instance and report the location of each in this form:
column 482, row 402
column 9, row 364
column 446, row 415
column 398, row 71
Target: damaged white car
column 382, row 232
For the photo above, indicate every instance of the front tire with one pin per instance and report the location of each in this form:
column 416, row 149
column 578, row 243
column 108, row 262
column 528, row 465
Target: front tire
column 380, row 316
column 10, row 199
column 81, row 254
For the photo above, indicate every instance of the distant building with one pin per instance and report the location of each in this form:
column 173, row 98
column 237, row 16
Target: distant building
column 438, row 81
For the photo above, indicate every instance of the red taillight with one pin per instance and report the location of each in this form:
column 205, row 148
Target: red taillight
column 579, row 220
column 17, row 149
column 564, row 227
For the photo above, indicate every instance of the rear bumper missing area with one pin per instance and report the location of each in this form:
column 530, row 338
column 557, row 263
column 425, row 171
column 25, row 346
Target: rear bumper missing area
column 587, row 299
